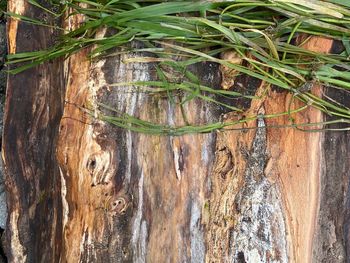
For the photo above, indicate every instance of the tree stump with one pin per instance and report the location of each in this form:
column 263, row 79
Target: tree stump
column 82, row 190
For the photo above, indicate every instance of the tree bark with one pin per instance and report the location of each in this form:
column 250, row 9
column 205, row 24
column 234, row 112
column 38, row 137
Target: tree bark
column 81, row 190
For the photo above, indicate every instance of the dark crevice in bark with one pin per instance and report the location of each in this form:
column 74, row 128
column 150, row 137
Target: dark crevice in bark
column 3, row 80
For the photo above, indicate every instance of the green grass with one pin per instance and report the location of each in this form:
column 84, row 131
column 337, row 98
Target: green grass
column 179, row 34
column 3, row 7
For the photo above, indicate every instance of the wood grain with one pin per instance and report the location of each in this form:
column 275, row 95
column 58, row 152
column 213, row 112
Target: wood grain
column 34, row 104
column 81, row 190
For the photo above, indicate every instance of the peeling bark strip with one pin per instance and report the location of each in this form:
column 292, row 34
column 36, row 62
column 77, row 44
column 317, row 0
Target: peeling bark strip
column 83, row 191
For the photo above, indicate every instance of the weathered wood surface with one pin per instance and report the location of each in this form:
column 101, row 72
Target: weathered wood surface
column 80, row 190
column 33, row 110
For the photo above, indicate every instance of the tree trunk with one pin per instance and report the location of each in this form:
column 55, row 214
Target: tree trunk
column 81, row 190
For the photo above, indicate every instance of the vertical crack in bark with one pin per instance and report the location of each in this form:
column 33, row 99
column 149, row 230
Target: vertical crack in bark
column 260, row 223
column 18, row 251
column 177, row 156
column 139, row 232
column 65, row 205
column 245, row 209
column 197, row 235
